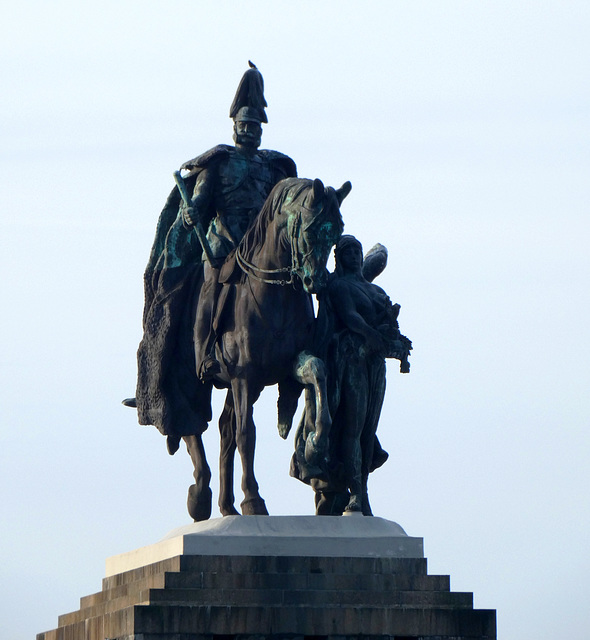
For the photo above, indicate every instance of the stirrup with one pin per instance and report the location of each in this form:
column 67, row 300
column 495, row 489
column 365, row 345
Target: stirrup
column 209, row 369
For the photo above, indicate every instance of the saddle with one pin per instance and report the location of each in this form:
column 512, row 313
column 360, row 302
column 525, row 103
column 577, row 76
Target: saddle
column 230, row 271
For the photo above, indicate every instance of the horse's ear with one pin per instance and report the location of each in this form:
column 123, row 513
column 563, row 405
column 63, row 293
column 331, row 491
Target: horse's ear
column 318, row 190
column 343, row 191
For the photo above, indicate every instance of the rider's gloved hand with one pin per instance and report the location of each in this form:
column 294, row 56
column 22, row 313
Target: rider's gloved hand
column 189, row 216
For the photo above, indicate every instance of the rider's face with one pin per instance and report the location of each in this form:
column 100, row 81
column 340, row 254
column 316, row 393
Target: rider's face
column 248, row 134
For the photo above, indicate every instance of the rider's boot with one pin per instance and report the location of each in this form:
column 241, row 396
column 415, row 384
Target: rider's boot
column 209, row 368
column 204, row 336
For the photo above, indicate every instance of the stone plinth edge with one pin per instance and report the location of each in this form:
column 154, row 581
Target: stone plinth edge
column 277, row 536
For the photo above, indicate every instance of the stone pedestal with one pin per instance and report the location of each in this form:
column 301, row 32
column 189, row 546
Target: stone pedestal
column 275, row 578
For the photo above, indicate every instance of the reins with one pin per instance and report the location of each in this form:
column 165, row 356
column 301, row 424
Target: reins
column 250, row 269
column 294, row 269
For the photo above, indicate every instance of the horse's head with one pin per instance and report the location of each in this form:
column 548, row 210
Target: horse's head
column 315, row 224
column 299, row 224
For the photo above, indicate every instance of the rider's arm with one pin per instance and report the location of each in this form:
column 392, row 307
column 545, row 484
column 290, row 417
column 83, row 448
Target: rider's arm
column 201, row 200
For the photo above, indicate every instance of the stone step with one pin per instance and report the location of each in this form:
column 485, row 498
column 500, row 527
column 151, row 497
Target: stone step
column 196, row 636
column 225, row 580
column 370, row 578
column 297, row 581
column 314, row 621
column 374, row 582
column 105, row 608
column 310, row 598
column 170, row 564
column 273, row 564
column 194, row 621
column 316, row 582
column 127, row 589
column 131, row 594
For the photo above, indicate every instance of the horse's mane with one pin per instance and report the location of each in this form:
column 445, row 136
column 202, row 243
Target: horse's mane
column 255, row 235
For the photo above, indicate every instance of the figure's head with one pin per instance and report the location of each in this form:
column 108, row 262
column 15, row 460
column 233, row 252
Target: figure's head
column 348, row 255
column 301, row 221
column 319, row 227
column 247, row 129
column 247, row 109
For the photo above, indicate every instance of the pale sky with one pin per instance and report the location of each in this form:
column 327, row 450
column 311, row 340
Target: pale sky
column 464, row 128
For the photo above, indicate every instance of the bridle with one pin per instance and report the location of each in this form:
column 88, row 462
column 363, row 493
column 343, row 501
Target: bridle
column 294, row 269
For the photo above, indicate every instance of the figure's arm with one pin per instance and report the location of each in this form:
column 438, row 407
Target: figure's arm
column 345, row 308
column 200, row 208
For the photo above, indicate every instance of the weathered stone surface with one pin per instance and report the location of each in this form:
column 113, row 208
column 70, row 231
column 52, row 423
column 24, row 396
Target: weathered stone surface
column 280, row 597
column 306, row 536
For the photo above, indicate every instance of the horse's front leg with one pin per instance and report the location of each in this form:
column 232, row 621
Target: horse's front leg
column 244, row 399
column 311, row 372
column 199, row 494
column 227, row 449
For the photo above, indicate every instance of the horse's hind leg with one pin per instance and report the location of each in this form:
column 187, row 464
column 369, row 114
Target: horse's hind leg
column 199, row 494
column 227, row 449
column 252, row 504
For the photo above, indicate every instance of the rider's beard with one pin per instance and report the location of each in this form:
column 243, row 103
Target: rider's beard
column 246, row 140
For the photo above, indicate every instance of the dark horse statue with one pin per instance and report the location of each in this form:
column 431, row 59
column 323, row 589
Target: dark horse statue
column 264, row 326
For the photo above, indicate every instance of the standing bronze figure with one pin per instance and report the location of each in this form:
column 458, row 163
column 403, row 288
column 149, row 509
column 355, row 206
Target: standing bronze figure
column 357, row 330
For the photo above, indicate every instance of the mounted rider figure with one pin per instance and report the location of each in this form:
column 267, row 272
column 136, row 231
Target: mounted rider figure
column 227, row 186
column 231, row 187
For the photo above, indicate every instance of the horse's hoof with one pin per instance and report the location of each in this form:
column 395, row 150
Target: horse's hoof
column 172, row 444
column 199, row 503
column 367, row 511
column 284, row 428
column 229, row 511
column 354, row 505
column 254, row 507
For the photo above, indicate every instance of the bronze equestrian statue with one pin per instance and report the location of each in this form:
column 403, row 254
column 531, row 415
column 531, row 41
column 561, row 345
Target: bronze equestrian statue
column 222, row 191
column 241, row 245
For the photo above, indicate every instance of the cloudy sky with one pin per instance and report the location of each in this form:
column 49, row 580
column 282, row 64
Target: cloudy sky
column 464, row 128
